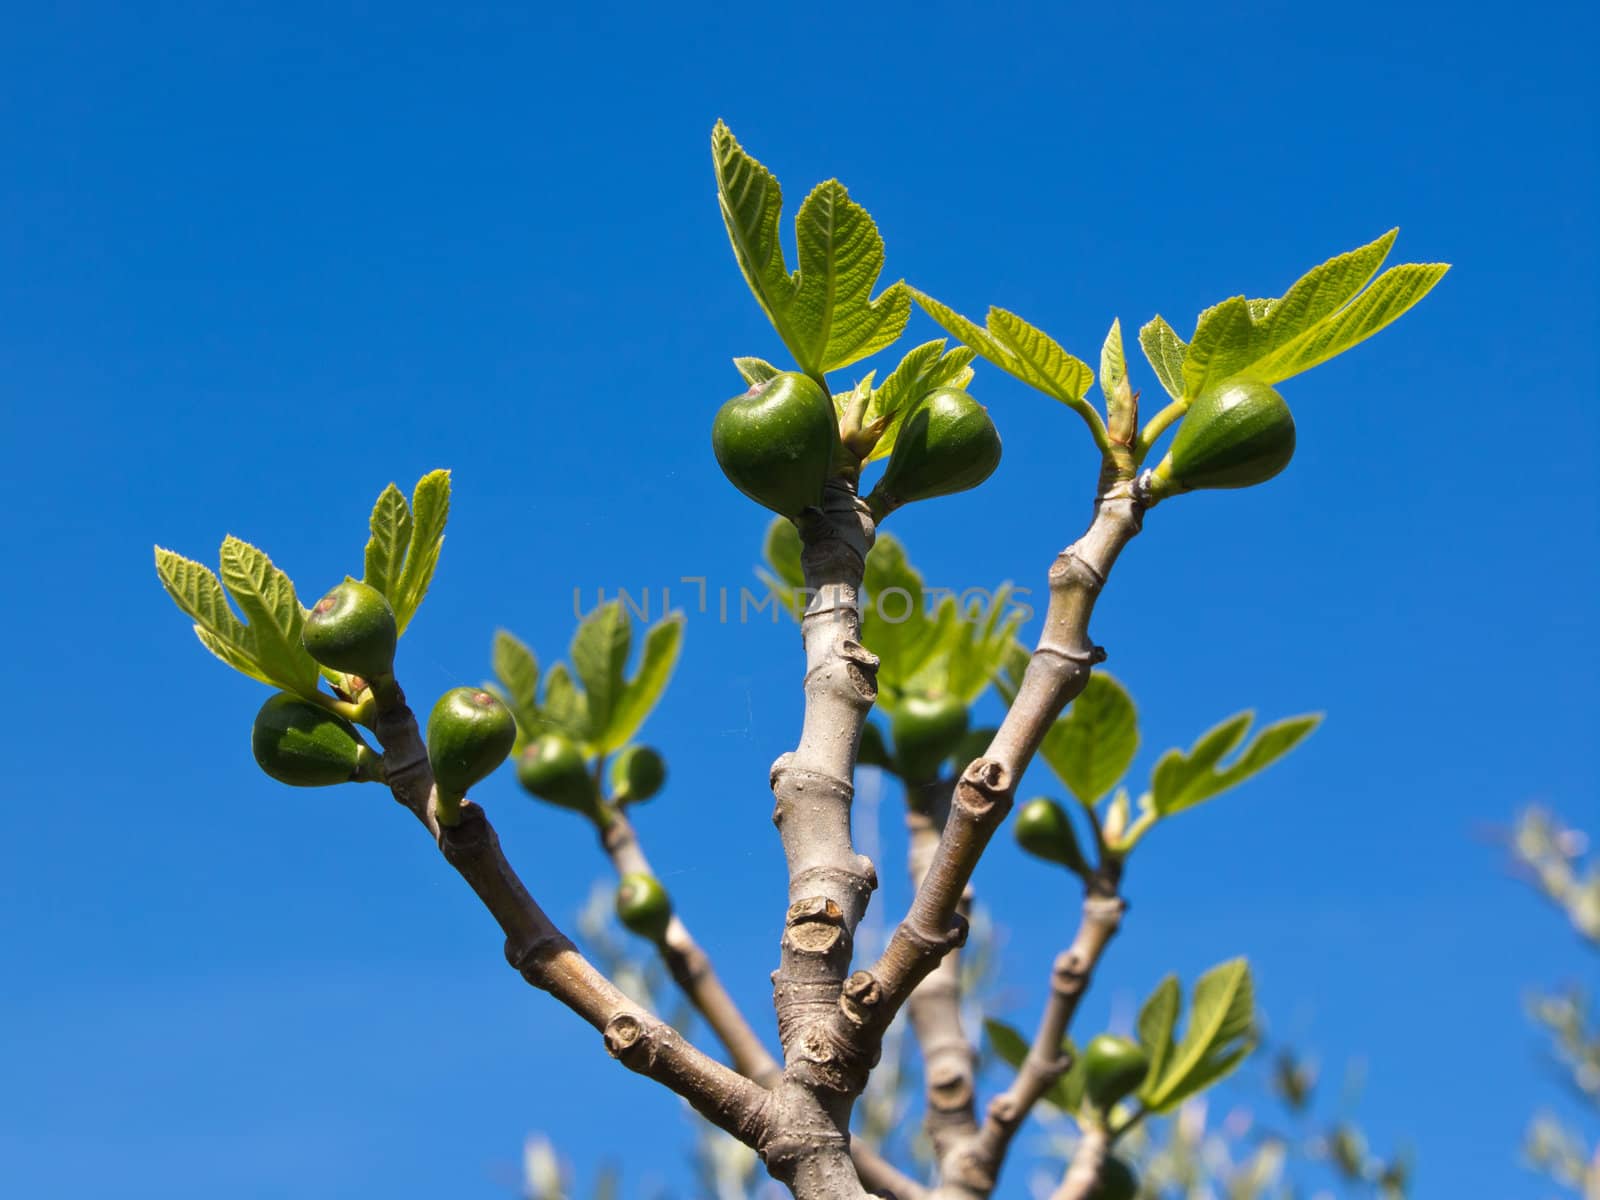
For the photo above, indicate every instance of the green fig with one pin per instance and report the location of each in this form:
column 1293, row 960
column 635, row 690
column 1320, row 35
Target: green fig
column 1237, row 434
column 637, row 774
column 352, row 629
column 1112, row 1067
column 776, row 443
column 643, row 906
column 469, row 734
column 1116, row 1181
column 554, row 769
column 926, row 730
column 305, row 745
column 1044, row 830
column 947, row 444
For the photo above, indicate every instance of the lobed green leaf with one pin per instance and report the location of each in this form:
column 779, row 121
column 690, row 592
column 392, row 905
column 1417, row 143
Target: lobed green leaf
column 1219, row 1034
column 390, row 538
column 430, row 510
column 517, row 669
column 1008, row 1044
column 824, row 311
column 198, row 593
column 1166, row 352
column 1158, row 1018
column 1182, row 780
column 642, row 692
column 267, row 599
column 599, row 656
column 924, row 369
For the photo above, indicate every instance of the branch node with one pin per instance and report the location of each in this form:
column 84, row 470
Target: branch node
column 984, row 785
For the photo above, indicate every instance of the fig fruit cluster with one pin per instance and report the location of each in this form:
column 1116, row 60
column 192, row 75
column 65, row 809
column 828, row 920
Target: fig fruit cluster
column 779, row 443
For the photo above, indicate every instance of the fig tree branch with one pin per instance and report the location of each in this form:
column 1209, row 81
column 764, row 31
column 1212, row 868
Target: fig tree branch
column 934, row 1008
column 1056, row 673
column 691, row 967
column 545, row 957
column 1084, row 1171
column 973, row 1169
column 829, row 883
column 882, row 1176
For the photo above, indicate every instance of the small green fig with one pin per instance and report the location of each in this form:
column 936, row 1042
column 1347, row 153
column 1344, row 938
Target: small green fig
column 553, row 768
column 776, row 443
column 1116, row 1181
column 637, row 774
column 301, row 744
column 1113, row 1066
column 1237, row 434
column 926, row 731
column 469, row 734
column 352, row 629
column 1044, row 830
column 948, row 444
column 643, row 906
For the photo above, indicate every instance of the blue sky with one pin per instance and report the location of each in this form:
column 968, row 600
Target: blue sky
column 256, row 261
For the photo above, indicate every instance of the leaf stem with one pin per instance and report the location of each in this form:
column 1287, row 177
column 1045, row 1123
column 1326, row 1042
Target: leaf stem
column 1155, row 427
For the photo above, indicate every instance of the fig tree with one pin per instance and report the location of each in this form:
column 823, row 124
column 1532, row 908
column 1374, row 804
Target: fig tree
column 643, row 906
column 1044, row 830
column 948, row 444
column 776, row 443
column 1237, row 434
column 926, row 731
column 301, row 744
column 553, row 768
column 469, row 734
column 1113, row 1066
column 637, row 774
column 352, row 629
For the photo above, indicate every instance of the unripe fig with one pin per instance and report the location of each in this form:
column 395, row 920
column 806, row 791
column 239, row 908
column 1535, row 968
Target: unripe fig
column 1237, row 434
column 948, row 444
column 352, row 629
column 469, row 734
column 776, row 443
column 301, row 744
column 927, row 730
column 637, row 774
column 1113, row 1066
column 1044, row 830
column 554, row 769
column 1116, row 1181
column 643, row 906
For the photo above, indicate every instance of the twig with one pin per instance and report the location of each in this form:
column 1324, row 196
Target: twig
column 691, row 967
column 1084, row 1172
column 545, row 957
column 934, row 1008
column 1057, row 672
column 973, row 1169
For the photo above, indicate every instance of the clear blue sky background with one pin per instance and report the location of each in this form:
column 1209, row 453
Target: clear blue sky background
column 256, row 261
